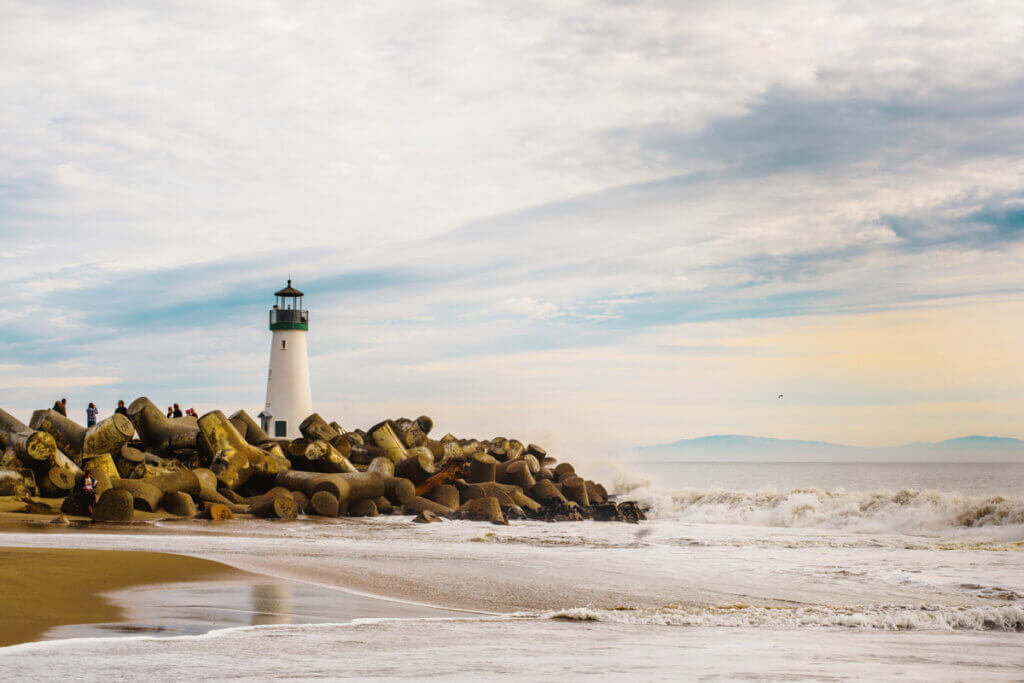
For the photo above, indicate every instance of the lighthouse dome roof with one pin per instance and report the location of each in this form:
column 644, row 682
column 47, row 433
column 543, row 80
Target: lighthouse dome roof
column 288, row 291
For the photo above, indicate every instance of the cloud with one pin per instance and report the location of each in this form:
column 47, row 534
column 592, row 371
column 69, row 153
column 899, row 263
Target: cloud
column 526, row 307
column 468, row 183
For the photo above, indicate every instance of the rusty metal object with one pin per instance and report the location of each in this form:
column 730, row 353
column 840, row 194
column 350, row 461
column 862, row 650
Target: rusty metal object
column 451, row 472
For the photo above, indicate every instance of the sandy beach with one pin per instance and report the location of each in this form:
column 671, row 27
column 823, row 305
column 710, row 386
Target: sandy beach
column 49, row 587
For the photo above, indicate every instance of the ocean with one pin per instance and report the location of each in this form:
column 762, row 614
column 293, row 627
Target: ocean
column 744, row 571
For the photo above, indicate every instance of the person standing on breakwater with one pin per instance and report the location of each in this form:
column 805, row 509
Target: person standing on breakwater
column 90, row 415
column 177, row 411
column 61, row 406
column 170, row 411
column 121, row 409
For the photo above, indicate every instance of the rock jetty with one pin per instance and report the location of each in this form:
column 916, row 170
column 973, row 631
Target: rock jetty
column 218, row 467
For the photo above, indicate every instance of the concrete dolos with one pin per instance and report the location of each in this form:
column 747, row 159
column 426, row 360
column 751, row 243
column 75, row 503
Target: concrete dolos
column 235, row 460
column 78, row 442
column 254, row 434
column 108, row 436
column 28, row 444
column 159, row 432
column 231, row 466
column 315, row 427
column 387, row 440
column 68, row 434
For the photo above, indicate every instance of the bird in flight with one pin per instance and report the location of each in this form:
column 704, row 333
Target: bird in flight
column 780, row 395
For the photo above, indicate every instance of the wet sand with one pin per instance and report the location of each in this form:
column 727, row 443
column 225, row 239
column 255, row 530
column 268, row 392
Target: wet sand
column 53, row 593
column 49, row 587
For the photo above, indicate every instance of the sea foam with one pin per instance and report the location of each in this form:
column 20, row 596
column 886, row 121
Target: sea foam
column 879, row 617
column 895, row 511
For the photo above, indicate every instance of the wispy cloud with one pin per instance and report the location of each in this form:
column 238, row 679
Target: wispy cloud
column 471, row 184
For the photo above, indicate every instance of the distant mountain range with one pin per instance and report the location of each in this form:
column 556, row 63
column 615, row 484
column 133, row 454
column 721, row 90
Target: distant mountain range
column 737, row 448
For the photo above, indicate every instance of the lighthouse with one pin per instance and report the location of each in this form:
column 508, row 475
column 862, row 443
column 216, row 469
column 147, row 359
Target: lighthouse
column 289, row 400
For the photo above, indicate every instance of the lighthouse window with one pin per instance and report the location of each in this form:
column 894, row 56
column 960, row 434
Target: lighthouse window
column 280, row 428
column 284, row 343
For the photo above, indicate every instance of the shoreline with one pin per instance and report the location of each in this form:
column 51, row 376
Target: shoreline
column 66, row 593
column 46, row 588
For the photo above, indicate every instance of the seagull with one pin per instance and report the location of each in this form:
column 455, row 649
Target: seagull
column 780, row 395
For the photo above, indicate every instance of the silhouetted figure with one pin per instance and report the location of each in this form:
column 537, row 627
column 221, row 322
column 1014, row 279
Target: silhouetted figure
column 90, row 415
column 121, row 409
column 61, row 406
column 170, row 411
column 177, row 411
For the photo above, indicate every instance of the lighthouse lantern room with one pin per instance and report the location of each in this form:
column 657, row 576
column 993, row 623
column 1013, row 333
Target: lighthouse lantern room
column 289, row 400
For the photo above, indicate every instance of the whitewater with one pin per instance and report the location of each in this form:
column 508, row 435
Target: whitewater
column 873, row 579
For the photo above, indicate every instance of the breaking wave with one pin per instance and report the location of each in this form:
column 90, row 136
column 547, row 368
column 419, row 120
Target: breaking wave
column 901, row 511
column 874, row 617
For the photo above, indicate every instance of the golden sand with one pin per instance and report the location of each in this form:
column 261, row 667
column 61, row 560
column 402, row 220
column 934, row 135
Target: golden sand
column 47, row 587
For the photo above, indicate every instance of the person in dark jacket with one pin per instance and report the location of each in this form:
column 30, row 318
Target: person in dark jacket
column 61, row 406
column 121, row 409
column 89, row 492
column 170, row 411
column 90, row 415
column 177, row 411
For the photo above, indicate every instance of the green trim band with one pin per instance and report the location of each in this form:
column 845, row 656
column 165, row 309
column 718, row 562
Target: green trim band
column 290, row 326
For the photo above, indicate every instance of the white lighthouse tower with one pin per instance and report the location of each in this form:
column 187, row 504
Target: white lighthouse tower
column 289, row 401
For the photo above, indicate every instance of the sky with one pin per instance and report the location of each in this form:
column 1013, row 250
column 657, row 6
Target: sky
column 592, row 225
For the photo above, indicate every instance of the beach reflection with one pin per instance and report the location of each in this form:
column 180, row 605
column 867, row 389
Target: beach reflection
column 271, row 604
